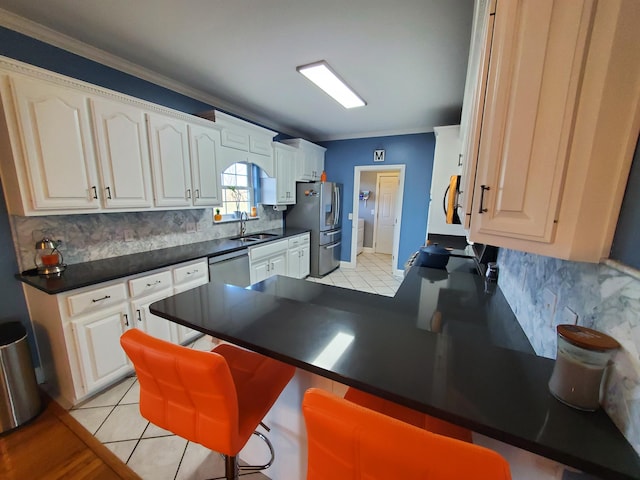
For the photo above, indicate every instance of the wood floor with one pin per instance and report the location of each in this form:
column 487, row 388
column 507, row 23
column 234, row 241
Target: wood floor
column 56, row 446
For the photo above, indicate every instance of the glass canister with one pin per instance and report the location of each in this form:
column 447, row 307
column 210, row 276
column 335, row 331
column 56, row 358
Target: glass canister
column 582, row 356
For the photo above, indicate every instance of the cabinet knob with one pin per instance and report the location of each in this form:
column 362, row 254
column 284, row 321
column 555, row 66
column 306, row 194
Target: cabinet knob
column 108, row 189
column 139, row 315
column 188, row 193
column 95, row 192
column 126, row 319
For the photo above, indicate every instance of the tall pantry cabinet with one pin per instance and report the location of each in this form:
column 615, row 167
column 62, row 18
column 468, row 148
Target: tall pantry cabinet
column 550, row 124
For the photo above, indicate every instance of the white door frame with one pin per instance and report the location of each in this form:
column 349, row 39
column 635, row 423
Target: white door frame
column 356, row 200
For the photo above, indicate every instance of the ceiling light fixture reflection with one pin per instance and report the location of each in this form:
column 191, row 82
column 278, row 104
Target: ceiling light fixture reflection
column 333, row 351
column 321, row 74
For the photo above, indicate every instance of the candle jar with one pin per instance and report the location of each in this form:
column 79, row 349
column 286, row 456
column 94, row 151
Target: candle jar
column 582, row 357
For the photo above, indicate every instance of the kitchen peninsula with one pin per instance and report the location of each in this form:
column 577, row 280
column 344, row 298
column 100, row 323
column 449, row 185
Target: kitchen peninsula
column 445, row 344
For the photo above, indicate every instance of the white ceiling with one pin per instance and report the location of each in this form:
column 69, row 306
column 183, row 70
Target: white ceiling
column 406, row 58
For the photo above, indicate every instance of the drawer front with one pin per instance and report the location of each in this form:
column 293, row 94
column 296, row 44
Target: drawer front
column 191, row 272
column 96, row 299
column 299, row 240
column 272, row 248
column 149, row 284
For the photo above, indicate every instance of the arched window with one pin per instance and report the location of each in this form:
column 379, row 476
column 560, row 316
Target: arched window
column 237, row 189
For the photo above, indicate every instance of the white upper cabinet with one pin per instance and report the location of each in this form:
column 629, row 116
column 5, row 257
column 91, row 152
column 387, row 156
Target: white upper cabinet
column 123, row 154
column 281, row 189
column 309, row 159
column 48, row 162
column 205, row 180
column 244, row 142
column 547, row 146
column 169, row 141
column 70, row 147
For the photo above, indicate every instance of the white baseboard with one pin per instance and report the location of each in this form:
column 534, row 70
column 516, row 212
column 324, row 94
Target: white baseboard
column 368, row 250
column 344, row 264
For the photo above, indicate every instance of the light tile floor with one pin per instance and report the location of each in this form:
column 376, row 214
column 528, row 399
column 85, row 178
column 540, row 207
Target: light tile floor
column 113, row 416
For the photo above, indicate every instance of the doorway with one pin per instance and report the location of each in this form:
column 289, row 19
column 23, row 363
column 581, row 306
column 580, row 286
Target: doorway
column 385, row 212
column 363, row 204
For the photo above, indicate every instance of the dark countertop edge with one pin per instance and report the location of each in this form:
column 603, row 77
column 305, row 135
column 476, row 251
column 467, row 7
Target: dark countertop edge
column 36, row 281
column 565, row 458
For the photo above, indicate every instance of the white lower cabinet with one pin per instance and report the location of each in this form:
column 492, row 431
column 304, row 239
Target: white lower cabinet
column 268, row 260
column 153, row 325
column 187, row 277
column 298, row 264
column 97, row 337
column 78, row 332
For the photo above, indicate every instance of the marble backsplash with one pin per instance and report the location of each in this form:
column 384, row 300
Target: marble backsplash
column 96, row 236
column 606, row 297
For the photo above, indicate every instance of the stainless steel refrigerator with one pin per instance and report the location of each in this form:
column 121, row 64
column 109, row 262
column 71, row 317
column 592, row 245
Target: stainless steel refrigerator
column 318, row 208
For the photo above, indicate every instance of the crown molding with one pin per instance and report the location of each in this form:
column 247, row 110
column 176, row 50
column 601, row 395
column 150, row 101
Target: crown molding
column 47, row 35
column 381, row 133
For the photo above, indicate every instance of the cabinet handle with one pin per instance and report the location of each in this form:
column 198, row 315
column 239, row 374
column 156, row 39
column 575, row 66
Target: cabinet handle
column 192, row 272
column 268, row 267
column 126, row 319
column 188, row 193
column 154, row 283
column 482, row 190
column 108, row 189
column 96, row 300
column 139, row 315
column 459, row 159
column 95, row 192
column 197, row 193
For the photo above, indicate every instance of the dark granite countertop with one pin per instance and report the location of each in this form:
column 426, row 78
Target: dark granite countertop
column 90, row 273
column 445, row 344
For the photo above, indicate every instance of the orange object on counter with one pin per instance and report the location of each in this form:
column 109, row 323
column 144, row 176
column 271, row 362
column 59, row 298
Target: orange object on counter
column 347, row 441
column 323, row 176
column 254, row 212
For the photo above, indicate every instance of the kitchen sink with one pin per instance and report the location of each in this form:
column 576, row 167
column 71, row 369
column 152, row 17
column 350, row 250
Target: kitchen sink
column 254, row 237
column 261, row 236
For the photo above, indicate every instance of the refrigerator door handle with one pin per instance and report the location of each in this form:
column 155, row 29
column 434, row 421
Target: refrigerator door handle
column 337, row 197
column 330, row 234
column 332, row 246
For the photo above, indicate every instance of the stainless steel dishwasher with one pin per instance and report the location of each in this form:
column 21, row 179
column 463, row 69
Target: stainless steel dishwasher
column 231, row 268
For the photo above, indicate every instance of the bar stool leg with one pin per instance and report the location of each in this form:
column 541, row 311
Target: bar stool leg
column 231, row 467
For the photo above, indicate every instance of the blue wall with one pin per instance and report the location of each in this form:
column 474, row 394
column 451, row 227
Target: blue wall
column 416, row 153
column 26, row 49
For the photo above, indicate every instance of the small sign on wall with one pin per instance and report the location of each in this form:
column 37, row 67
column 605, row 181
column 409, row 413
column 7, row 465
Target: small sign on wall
column 378, row 155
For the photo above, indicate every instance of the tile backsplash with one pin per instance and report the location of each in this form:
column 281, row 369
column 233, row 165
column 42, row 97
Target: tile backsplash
column 102, row 235
column 606, row 297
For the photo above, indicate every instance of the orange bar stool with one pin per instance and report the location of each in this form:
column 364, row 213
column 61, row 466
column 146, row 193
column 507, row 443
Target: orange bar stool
column 408, row 415
column 216, row 399
column 346, row 441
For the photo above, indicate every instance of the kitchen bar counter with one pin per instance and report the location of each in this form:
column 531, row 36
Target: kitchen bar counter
column 91, row 273
column 445, row 345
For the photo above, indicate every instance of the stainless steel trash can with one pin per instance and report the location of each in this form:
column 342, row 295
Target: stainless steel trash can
column 19, row 394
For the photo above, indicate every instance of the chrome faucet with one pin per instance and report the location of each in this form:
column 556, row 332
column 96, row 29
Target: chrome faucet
column 243, row 223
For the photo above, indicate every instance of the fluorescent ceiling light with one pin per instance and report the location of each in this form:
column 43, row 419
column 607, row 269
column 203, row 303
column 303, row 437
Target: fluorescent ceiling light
column 321, row 74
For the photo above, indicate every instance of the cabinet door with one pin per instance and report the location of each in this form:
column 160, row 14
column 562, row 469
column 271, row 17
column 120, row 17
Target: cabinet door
column 123, row 154
column 55, row 130
column 259, row 270
column 278, row 265
column 204, row 174
column 534, row 72
column 169, row 142
column 152, row 324
column 285, row 176
column 97, row 338
column 293, row 263
column 305, row 260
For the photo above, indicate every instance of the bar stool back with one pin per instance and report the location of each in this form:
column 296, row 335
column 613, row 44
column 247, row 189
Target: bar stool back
column 347, row 441
column 408, row 415
column 216, row 399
